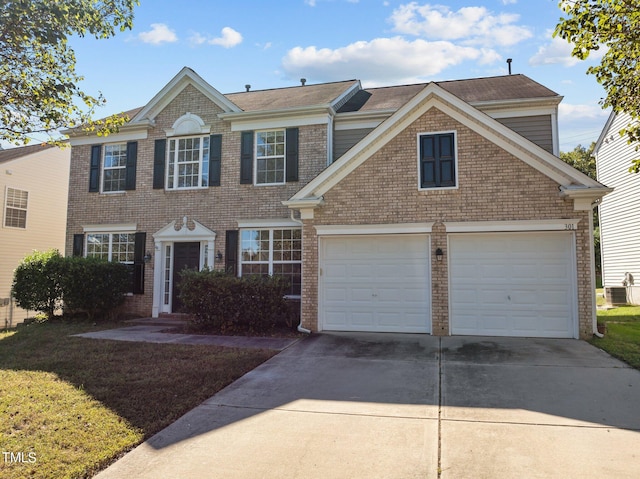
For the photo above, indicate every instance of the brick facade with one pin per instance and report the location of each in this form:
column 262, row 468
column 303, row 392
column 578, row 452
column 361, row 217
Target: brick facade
column 217, row 208
column 493, row 185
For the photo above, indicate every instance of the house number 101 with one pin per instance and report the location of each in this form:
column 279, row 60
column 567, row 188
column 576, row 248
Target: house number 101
column 570, row 226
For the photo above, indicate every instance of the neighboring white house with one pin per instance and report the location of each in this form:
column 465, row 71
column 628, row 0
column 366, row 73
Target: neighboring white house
column 34, row 187
column 619, row 213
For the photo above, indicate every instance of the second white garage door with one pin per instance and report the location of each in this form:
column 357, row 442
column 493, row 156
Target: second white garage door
column 375, row 283
column 513, row 284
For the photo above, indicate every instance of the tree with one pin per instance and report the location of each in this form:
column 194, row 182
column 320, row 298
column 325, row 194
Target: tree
column 615, row 26
column 581, row 159
column 39, row 90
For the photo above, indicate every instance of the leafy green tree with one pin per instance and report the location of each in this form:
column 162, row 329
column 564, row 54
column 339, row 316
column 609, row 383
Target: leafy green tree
column 39, row 90
column 615, row 26
column 581, row 159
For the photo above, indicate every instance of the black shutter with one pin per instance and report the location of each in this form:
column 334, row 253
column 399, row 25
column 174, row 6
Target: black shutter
column 138, row 263
column 78, row 245
column 159, row 160
column 246, row 157
column 437, row 161
column 132, row 160
column 292, row 154
column 215, row 159
column 231, row 252
column 94, row 168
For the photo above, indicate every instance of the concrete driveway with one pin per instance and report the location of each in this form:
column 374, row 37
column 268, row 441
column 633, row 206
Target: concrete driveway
column 410, row 406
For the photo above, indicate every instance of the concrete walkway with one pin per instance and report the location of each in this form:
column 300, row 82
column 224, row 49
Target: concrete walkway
column 410, row 406
column 152, row 333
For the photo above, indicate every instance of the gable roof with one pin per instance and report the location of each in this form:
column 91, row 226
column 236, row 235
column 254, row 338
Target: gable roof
column 435, row 96
column 15, row 153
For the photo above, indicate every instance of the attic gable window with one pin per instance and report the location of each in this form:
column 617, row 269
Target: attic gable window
column 437, row 160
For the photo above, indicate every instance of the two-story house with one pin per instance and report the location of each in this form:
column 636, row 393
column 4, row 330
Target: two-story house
column 34, row 185
column 435, row 208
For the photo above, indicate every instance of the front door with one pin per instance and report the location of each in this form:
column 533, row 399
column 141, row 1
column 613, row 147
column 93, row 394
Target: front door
column 185, row 255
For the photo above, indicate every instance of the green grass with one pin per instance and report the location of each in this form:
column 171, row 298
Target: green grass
column 77, row 404
column 622, row 337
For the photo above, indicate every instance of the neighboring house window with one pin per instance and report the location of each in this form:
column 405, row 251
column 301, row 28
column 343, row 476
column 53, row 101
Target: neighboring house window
column 437, row 160
column 15, row 214
column 273, row 252
column 270, row 163
column 115, row 167
column 188, row 163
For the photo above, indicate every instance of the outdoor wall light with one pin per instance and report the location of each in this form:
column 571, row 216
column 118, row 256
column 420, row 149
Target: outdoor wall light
column 218, row 256
column 439, row 254
column 147, row 257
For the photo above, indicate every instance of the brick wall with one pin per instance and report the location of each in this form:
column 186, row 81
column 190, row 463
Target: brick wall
column 217, row 208
column 493, row 185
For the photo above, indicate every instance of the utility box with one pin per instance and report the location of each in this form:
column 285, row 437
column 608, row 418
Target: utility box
column 616, row 296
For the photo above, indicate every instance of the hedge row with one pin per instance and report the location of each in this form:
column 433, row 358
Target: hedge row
column 47, row 281
column 226, row 303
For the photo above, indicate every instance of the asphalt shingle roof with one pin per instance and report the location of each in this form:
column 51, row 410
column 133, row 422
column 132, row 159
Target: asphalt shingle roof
column 15, row 153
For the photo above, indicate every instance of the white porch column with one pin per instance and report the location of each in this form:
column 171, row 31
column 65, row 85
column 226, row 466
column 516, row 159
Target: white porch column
column 157, row 279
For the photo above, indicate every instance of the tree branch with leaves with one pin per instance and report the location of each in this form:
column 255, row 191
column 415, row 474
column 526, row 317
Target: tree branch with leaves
column 614, row 25
column 39, row 86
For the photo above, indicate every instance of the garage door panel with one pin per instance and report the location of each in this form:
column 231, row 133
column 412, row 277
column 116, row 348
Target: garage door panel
column 528, row 289
column 384, row 279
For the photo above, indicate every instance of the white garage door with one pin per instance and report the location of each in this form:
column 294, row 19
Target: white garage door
column 512, row 284
column 375, row 283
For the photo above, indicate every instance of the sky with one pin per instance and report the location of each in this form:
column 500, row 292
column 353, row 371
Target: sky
column 271, row 44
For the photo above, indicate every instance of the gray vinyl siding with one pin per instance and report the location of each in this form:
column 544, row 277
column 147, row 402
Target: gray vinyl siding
column 343, row 140
column 619, row 218
column 537, row 129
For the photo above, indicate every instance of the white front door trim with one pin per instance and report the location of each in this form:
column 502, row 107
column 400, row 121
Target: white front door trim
column 167, row 236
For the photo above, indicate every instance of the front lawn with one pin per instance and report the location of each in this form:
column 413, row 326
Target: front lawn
column 70, row 406
column 622, row 338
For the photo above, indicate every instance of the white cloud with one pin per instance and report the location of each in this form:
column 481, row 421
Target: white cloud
column 469, row 25
column 509, row 2
column 568, row 112
column 558, row 52
column 382, row 60
column 230, row 38
column 159, row 33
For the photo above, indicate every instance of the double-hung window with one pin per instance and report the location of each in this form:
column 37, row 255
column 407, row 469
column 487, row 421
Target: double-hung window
column 270, row 161
column 273, row 252
column 188, row 163
column 15, row 213
column 114, row 172
column 112, row 246
column 437, row 161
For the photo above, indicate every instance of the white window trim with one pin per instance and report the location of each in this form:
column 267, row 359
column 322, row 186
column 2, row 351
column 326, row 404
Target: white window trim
column 455, row 150
column 102, row 168
column 6, row 206
column 270, row 261
column 255, row 158
column 200, row 164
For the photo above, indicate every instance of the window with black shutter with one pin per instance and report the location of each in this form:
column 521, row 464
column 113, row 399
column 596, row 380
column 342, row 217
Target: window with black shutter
column 437, row 160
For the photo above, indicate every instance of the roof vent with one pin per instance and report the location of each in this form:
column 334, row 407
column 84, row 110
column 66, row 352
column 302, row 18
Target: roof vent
column 303, row 81
column 248, row 87
column 509, row 60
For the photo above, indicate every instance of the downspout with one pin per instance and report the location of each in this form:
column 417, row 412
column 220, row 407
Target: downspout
column 594, row 312
column 300, row 328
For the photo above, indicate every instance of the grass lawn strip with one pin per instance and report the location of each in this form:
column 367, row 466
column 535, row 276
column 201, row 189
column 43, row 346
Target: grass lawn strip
column 78, row 404
column 622, row 338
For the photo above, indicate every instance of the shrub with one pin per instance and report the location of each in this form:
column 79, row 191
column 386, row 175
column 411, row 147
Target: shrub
column 36, row 282
column 93, row 286
column 227, row 303
column 44, row 280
